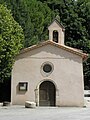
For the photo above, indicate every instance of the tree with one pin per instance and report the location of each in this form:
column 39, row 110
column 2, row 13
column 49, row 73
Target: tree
column 11, row 40
column 84, row 12
column 75, row 16
column 40, row 16
column 34, row 17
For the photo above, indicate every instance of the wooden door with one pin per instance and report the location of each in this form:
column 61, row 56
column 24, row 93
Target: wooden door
column 47, row 94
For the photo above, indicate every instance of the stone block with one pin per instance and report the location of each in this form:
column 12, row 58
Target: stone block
column 29, row 104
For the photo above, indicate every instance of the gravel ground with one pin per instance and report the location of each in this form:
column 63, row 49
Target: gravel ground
column 44, row 113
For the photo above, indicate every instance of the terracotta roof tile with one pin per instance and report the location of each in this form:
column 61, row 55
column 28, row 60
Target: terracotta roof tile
column 64, row 47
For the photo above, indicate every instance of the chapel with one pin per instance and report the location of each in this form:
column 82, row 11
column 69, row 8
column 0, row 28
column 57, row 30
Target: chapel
column 49, row 73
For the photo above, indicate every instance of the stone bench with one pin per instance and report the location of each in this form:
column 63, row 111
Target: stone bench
column 29, row 104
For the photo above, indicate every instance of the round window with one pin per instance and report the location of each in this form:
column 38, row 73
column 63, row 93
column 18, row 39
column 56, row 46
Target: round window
column 47, row 68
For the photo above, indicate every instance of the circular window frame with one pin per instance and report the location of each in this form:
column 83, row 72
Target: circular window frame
column 45, row 74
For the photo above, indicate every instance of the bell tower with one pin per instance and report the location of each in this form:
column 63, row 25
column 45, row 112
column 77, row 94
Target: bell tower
column 56, row 32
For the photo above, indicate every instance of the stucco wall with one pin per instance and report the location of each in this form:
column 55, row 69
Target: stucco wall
column 67, row 75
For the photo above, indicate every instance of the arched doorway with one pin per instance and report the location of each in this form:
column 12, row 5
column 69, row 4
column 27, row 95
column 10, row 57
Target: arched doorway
column 55, row 36
column 47, row 94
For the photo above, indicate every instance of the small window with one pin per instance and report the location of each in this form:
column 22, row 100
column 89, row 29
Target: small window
column 47, row 68
column 23, row 86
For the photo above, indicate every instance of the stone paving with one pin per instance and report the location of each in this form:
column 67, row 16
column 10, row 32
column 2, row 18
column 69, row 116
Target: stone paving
column 44, row 113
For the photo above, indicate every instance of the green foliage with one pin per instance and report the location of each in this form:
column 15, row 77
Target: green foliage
column 84, row 12
column 11, row 40
column 75, row 16
column 34, row 17
column 39, row 17
column 87, row 73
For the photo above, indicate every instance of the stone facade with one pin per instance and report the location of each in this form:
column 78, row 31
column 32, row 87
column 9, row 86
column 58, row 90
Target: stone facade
column 49, row 74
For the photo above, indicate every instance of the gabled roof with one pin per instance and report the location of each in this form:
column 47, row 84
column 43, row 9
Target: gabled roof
column 64, row 47
column 59, row 24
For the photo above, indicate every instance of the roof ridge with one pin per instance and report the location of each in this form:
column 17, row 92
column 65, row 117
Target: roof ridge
column 64, row 47
column 59, row 23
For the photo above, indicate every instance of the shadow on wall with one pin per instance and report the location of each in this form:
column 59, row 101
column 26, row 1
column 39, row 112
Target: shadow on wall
column 5, row 90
